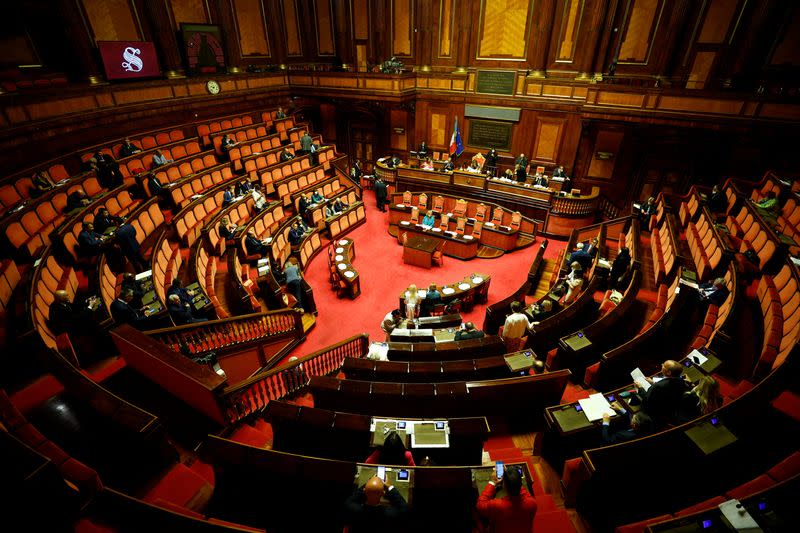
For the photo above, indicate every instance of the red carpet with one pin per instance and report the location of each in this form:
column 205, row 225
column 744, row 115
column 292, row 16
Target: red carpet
column 384, row 276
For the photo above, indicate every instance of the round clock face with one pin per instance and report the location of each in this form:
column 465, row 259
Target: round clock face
column 212, row 87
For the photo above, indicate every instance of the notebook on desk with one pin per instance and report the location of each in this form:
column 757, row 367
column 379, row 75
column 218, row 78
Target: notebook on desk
column 711, row 436
column 570, row 419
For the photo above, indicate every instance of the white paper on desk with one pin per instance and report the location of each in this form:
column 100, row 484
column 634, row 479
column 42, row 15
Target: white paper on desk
column 595, row 406
column 691, row 284
column 639, row 379
column 697, row 358
column 739, row 518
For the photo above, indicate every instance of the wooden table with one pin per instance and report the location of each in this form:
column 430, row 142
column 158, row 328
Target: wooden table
column 418, row 250
column 458, row 246
column 345, row 253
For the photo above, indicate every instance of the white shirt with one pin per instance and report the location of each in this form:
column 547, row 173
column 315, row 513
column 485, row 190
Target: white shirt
column 516, row 326
column 388, row 323
column 258, row 199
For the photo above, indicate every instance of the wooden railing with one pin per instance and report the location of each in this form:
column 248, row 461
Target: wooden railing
column 230, row 333
column 608, row 208
column 254, row 394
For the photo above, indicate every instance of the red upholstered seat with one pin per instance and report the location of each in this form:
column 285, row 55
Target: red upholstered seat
column 751, row 487
column 180, row 486
column 702, row 506
column 572, row 477
column 789, row 404
column 553, row 521
column 786, row 469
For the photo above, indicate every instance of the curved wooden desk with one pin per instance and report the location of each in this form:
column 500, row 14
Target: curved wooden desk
column 458, row 246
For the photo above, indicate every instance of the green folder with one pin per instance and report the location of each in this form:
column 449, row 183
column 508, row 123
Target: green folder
column 710, row 438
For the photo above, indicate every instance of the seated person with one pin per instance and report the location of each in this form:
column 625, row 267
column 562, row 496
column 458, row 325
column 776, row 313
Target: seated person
column 159, row 159
column 64, row 316
column 390, row 322
column 429, row 220
column 469, row 332
column 581, row 256
column 474, row 167
column 280, row 114
column 427, row 164
column 703, row 399
column 316, row 197
column 303, row 226
column 103, row 220
column 365, row 514
column 253, row 245
column 449, row 165
column 717, row 202
column 514, row 512
column 647, row 210
column 128, row 148
column 176, row 287
column 286, row 155
column 123, row 313
column 574, row 281
column 619, row 267
column 329, row 212
column 108, row 173
column 558, row 172
column 540, row 180
column 302, row 205
column 154, row 184
column 713, row 293
column 227, row 230
column 243, row 188
column 228, row 196
column 339, row 205
column 662, row 400
column 639, row 425
column 393, row 452
column 508, row 174
column 259, row 202
column 227, row 144
column 432, row 298
column 129, row 282
column 40, row 185
column 592, row 247
column 90, row 243
column 540, row 311
column 296, row 234
column 76, row 200
column 180, row 311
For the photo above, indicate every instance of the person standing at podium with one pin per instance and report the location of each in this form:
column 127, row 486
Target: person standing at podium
column 522, row 161
column 490, row 165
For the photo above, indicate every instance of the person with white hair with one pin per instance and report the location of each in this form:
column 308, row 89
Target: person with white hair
column 180, row 311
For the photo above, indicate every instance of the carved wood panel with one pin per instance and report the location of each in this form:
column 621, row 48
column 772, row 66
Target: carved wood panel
column 547, row 145
column 293, row 47
column 113, row 20
column 402, row 27
column 251, row 27
column 643, row 18
column 324, row 19
column 504, row 28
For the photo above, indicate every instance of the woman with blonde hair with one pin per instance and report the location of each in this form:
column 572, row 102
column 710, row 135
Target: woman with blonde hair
column 412, row 302
column 708, row 396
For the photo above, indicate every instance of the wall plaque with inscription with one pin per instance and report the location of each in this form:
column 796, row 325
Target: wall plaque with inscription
column 496, row 82
column 490, row 134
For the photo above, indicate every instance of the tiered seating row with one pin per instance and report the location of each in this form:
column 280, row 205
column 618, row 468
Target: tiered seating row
column 263, row 225
column 48, row 278
column 30, row 231
column 779, row 299
column 290, row 188
column 243, row 279
column 754, row 234
column 206, row 272
column 13, row 193
column 347, row 220
column 184, row 190
column 689, row 209
column 789, row 219
column 318, row 213
column 166, row 264
column 219, row 125
column 146, row 142
column 705, row 246
column 173, row 172
column 238, row 213
column 190, row 221
column 717, row 315
column 663, row 253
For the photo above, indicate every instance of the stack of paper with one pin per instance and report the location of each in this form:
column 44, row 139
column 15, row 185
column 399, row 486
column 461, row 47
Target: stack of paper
column 595, row 406
column 639, row 379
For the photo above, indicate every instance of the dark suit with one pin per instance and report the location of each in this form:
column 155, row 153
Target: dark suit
column 227, row 198
column 431, row 300
column 558, row 173
column 182, row 314
column 295, row 236
column 583, row 257
column 305, row 143
column 254, row 246
column 380, row 194
column 448, row 166
column 103, row 222
column 364, row 518
column 522, row 174
column 155, row 185
column 541, row 181
column 715, row 297
column 522, row 162
column 126, row 239
column 662, row 401
column 90, row 243
column 462, row 334
column 507, row 514
column 128, row 150
column 718, row 203
column 225, row 233
column 63, row 318
column 622, row 435
column 123, row 313
column 286, row 156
